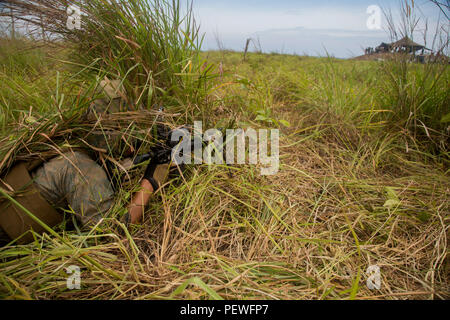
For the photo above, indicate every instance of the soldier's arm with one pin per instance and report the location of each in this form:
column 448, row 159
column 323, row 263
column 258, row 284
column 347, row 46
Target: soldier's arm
column 139, row 201
column 154, row 177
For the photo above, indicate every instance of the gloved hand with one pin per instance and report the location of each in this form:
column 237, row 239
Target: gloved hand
column 156, row 173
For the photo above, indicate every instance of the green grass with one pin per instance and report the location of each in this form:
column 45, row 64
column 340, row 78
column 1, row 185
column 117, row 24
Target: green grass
column 358, row 185
column 151, row 46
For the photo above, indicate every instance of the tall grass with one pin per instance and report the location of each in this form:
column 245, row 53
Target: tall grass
column 152, row 46
column 225, row 232
column 348, row 194
column 419, row 100
column 25, row 80
column 417, row 94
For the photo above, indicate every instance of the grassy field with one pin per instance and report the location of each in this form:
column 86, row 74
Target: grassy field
column 363, row 180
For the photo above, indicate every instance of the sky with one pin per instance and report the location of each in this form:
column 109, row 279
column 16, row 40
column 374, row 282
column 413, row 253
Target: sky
column 312, row 27
column 336, row 27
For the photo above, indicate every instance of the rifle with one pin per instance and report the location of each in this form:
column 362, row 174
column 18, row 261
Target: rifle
column 160, row 154
column 160, row 151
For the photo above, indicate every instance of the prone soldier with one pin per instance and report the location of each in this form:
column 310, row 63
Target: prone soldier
column 72, row 180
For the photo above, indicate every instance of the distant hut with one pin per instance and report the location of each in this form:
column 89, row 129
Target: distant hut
column 383, row 47
column 407, row 45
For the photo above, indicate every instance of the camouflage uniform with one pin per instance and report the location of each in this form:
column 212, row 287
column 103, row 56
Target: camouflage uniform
column 108, row 140
column 75, row 181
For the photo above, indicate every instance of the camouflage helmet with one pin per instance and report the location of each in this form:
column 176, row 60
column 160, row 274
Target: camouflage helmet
column 109, row 140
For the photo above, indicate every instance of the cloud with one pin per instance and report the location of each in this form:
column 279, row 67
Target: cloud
column 339, row 33
column 233, row 20
column 340, row 28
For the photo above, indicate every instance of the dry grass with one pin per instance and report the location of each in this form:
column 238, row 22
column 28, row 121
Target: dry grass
column 351, row 191
column 309, row 232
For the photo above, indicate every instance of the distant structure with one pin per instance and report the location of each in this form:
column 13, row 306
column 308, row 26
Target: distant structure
column 402, row 45
column 405, row 45
column 383, row 47
column 408, row 46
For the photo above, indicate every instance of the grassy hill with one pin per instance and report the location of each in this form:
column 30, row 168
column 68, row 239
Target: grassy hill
column 363, row 179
